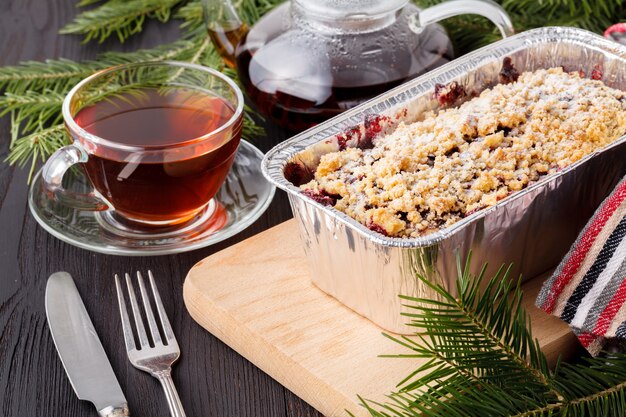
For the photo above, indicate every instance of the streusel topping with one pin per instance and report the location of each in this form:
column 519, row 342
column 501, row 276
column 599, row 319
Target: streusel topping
column 430, row 174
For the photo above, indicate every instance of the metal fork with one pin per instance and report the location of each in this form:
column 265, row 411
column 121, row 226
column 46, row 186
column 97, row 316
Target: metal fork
column 156, row 358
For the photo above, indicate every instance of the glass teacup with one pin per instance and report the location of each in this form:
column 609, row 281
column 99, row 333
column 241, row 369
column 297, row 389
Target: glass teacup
column 155, row 139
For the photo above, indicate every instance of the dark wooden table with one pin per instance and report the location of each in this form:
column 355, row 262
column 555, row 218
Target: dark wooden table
column 213, row 380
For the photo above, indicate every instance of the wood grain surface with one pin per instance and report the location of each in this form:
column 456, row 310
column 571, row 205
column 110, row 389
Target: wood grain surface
column 257, row 296
column 213, row 380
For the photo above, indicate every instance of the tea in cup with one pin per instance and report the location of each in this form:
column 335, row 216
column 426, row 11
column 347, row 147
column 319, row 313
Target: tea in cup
column 156, row 140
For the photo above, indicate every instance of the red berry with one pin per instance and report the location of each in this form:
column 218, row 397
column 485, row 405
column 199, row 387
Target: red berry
column 377, row 228
column 508, row 73
column 597, row 73
column 297, row 174
column 322, row 197
column 448, row 94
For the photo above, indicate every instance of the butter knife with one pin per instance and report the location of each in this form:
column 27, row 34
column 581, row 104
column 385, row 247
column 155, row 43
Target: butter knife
column 81, row 352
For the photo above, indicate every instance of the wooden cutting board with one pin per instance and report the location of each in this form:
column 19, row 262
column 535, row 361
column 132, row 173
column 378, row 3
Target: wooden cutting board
column 257, row 297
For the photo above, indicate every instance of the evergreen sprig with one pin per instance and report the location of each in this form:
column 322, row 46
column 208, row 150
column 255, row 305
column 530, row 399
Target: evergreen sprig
column 34, row 92
column 36, row 146
column 469, row 32
column 61, row 75
column 481, row 359
column 122, row 18
column 192, row 16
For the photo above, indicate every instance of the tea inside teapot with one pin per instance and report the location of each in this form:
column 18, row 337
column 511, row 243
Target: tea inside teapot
column 309, row 60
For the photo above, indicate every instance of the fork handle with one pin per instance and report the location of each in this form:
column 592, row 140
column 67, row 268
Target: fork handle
column 173, row 400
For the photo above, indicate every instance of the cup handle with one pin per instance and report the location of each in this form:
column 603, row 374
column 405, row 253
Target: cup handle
column 487, row 8
column 52, row 178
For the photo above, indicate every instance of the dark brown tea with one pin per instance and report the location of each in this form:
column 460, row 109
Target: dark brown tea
column 298, row 89
column 167, row 172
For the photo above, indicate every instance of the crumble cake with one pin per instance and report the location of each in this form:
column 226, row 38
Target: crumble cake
column 432, row 173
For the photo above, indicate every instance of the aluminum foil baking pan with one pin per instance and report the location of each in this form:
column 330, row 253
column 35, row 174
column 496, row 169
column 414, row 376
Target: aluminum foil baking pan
column 533, row 228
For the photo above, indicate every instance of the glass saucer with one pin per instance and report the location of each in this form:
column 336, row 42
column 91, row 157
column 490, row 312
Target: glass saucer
column 244, row 196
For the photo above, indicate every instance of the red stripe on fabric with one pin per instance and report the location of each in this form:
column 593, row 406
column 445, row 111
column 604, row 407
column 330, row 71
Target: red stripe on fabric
column 586, row 339
column 578, row 254
column 608, row 314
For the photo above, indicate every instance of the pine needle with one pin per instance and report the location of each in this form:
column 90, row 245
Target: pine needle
column 54, row 75
column 121, row 18
column 32, row 111
column 61, row 75
column 126, row 18
column 481, row 359
column 36, row 147
column 192, row 16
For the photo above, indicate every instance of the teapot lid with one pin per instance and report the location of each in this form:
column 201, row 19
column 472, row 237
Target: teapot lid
column 349, row 9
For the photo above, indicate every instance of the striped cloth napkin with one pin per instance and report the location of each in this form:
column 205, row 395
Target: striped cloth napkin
column 588, row 289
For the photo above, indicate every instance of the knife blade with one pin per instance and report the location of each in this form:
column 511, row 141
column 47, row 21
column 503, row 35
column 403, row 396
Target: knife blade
column 79, row 347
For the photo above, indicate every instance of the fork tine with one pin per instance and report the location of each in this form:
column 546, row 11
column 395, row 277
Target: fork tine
column 165, row 322
column 129, row 339
column 154, row 330
column 141, row 331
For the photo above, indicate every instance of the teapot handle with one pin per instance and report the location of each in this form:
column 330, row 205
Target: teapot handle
column 487, row 8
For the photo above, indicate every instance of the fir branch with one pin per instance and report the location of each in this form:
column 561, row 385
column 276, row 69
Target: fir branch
column 206, row 54
column 34, row 93
column 122, row 18
column 61, row 75
column 469, row 32
column 36, row 147
column 180, row 50
column 12, row 102
column 481, row 360
column 32, row 111
column 192, row 17
column 249, row 11
column 474, row 323
column 55, row 75
column 125, row 19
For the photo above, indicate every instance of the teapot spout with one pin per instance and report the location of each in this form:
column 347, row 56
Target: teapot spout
column 225, row 27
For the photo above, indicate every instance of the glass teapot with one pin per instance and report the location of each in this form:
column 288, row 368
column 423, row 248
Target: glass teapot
column 309, row 60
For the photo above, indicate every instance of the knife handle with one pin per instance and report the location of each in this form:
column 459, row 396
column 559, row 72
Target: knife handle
column 115, row 411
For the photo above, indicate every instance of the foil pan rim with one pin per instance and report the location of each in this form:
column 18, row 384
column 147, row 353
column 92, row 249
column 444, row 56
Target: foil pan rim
column 275, row 159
